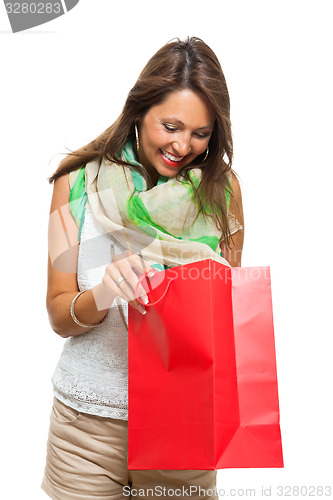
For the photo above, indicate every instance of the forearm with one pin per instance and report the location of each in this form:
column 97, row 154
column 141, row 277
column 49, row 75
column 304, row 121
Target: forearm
column 90, row 308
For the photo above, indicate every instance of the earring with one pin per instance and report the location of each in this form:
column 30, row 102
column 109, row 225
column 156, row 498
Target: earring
column 207, row 153
column 137, row 137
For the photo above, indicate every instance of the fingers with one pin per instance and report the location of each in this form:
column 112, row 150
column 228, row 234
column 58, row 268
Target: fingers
column 110, row 284
column 124, row 270
column 122, row 274
column 136, row 261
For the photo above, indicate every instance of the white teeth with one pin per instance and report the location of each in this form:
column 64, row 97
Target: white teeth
column 171, row 157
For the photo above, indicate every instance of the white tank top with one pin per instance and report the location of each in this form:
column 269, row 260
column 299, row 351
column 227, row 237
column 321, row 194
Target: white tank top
column 92, row 373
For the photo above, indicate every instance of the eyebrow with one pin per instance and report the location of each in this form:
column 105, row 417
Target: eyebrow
column 174, row 119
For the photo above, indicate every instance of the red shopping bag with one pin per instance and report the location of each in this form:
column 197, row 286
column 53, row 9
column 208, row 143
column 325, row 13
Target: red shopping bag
column 202, row 371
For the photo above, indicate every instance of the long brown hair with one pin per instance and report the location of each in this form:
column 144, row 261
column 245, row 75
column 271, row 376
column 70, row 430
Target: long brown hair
column 188, row 64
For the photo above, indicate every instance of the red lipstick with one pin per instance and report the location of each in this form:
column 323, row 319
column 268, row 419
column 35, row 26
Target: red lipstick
column 170, row 163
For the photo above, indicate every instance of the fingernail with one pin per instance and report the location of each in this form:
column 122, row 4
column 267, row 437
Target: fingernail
column 145, row 299
column 142, row 309
column 151, row 273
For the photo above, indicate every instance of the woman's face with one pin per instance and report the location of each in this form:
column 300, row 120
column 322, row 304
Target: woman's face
column 172, row 134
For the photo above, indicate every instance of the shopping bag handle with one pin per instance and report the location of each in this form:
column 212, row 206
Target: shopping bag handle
column 141, row 278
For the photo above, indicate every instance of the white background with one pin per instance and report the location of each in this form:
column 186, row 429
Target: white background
column 65, row 82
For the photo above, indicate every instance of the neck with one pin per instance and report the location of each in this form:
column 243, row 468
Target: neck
column 154, row 176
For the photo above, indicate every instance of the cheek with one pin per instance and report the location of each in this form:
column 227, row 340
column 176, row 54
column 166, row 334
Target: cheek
column 156, row 139
column 201, row 147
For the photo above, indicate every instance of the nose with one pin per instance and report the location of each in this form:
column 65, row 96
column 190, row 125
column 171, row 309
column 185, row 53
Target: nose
column 182, row 146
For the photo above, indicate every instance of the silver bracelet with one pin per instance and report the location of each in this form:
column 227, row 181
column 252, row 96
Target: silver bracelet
column 75, row 318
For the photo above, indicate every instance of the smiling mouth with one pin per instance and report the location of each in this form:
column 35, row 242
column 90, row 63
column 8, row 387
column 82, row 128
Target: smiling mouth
column 176, row 159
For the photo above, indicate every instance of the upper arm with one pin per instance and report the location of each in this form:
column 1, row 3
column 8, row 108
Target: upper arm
column 62, row 243
column 234, row 254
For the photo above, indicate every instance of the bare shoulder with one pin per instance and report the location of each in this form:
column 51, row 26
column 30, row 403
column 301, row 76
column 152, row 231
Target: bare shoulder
column 233, row 253
column 62, row 226
column 236, row 189
column 63, row 242
column 236, row 205
column 61, row 192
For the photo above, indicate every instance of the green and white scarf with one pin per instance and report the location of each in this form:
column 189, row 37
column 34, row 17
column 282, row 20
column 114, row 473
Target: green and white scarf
column 159, row 223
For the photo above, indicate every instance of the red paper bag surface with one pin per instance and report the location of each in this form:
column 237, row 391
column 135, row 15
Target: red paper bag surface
column 202, row 371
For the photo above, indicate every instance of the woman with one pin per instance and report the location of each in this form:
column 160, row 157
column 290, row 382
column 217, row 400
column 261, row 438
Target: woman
column 155, row 190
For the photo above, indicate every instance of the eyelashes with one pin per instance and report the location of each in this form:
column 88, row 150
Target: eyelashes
column 171, row 128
